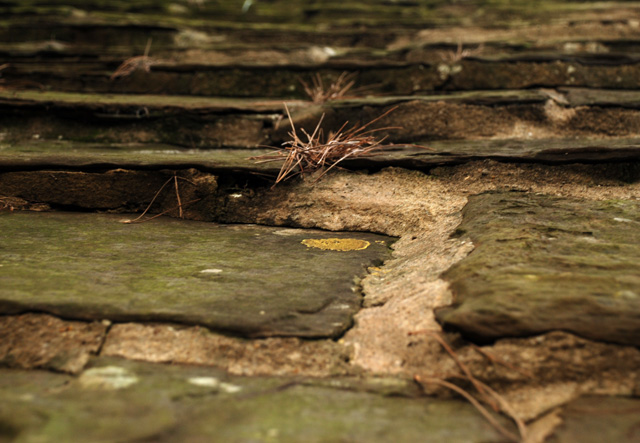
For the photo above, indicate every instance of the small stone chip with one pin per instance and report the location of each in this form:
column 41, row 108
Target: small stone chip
column 107, row 378
column 336, row 244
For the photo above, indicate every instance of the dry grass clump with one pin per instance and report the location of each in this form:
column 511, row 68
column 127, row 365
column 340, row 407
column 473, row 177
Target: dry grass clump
column 460, row 53
column 320, row 153
column 137, row 63
column 337, row 90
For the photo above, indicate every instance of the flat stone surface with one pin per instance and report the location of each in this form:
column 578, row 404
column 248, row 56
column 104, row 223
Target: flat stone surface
column 119, row 400
column 70, row 154
column 247, row 279
column 543, row 263
column 64, row 153
column 596, row 419
column 42, row 341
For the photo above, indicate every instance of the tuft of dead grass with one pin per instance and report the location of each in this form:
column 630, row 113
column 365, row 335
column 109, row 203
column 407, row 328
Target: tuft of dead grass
column 460, row 53
column 137, row 63
column 340, row 89
column 318, row 153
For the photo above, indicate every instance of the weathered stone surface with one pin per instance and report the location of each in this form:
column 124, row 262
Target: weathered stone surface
column 119, row 400
column 89, row 156
column 73, row 154
column 42, row 341
column 543, row 263
column 185, row 121
column 197, row 122
column 248, row 279
column 119, row 190
column 197, row 345
column 537, row 374
column 596, row 419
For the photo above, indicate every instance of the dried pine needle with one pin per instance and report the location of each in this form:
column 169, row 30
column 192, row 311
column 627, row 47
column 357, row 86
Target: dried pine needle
column 319, row 154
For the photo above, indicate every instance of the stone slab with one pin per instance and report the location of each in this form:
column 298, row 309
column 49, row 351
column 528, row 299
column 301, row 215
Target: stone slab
column 198, row 122
column 119, row 400
column 42, row 154
column 544, row 263
column 248, row 279
column 596, row 419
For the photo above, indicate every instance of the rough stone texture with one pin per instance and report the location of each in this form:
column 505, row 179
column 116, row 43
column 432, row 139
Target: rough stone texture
column 196, row 345
column 543, row 263
column 519, row 114
column 128, row 156
column 119, row 400
column 42, row 341
column 389, row 335
column 248, row 279
column 117, row 189
column 596, row 419
column 195, row 122
column 428, row 57
column 132, row 156
column 198, row 47
column 540, row 373
column 184, row 121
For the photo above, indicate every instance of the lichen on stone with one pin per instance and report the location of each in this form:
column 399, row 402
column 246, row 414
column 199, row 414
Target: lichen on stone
column 336, row 244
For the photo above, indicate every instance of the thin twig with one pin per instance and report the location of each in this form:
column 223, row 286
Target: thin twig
column 476, row 383
column 175, row 178
column 496, row 360
column 491, row 397
column 150, row 204
column 506, row 407
column 179, row 207
column 510, row 435
column 137, row 220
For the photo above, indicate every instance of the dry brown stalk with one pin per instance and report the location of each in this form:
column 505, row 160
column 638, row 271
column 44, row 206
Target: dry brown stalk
column 508, row 434
column 180, row 205
column 507, row 409
column 488, row 395
column 462, row 366
column 316, row 153
column 137, row 63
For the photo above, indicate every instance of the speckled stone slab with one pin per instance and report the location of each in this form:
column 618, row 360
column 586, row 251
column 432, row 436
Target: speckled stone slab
column 545, row 263
column 253, row 280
